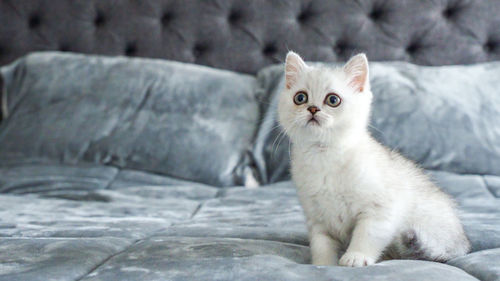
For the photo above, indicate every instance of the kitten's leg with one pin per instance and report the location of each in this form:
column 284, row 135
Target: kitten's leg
column 324, row 249
column 369, row 238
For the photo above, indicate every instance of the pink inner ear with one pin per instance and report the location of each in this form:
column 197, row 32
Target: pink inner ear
column 294, row 65
column 357, row 72
column 358, row 83
column 291, row 73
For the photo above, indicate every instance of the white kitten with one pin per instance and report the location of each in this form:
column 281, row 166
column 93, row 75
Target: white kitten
column 360, row 198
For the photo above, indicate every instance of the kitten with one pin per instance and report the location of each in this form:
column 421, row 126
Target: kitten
column 360, row 198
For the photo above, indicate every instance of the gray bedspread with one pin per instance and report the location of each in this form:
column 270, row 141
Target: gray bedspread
column 101, row 223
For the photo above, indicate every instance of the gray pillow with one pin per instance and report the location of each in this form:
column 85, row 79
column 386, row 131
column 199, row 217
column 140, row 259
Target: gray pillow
column 181, row 120
column 445, row 118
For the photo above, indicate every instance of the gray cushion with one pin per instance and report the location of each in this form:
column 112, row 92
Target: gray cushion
column 181, row 120
column 445, row 118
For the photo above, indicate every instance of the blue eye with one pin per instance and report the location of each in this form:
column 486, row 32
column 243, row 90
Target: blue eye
column 300, row 98
column 333, row 100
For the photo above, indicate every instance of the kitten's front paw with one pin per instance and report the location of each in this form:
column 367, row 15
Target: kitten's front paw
column 355, row 259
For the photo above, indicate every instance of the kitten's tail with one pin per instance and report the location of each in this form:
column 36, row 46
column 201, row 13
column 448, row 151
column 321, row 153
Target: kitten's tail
column 412, row 246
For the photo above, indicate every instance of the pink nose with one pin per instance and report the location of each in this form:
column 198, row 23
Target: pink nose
column 313, row 109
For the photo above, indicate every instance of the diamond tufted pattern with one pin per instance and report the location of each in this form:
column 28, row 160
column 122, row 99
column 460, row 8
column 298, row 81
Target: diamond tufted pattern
column 245, row 35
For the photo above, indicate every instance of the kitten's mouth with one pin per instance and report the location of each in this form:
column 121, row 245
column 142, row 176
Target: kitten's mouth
column 313, row 122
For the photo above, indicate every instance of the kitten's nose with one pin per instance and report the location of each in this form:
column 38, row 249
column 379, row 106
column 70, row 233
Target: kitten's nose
column 313, row 109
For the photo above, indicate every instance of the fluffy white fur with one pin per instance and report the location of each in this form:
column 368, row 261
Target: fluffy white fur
column 362, row 201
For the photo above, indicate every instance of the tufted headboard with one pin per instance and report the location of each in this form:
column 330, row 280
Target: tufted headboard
column 246, row 35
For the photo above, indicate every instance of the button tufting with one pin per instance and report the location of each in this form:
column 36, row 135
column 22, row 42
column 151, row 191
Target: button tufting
column 199, row 49
column 99, row 19
column 234, row 17
column 376, row 14
column 412, row 48
column 269, row 49
column 167, row 18
column 449, row 12
column 131, row 49
column 64, row 48
column 340, row 47
column 490, row 46
column 34, row 21
column 466, row 23
column 304, row 16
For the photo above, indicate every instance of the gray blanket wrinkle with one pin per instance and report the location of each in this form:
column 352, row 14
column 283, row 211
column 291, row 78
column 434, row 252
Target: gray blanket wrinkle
column 184, row 228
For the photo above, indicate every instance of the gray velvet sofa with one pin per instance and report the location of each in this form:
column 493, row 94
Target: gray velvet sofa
column 170, row 165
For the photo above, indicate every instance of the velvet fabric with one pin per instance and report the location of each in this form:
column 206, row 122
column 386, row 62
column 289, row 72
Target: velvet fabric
column 170, row 118
column 91, row 222
column 132, row 169
column 245, row 36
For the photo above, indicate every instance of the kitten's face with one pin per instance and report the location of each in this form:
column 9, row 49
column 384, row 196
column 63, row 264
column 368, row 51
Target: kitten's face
column 320, row 103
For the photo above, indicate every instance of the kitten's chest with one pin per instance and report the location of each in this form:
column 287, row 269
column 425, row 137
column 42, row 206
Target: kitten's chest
column 326, row 190
column 335, row 211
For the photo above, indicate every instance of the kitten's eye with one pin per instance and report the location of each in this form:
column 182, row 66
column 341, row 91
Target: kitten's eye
column 300, row 98
column 333, row 100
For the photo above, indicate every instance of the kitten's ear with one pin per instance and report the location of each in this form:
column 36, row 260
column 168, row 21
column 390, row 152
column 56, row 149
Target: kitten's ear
column 356, row 70
column 294, row 65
